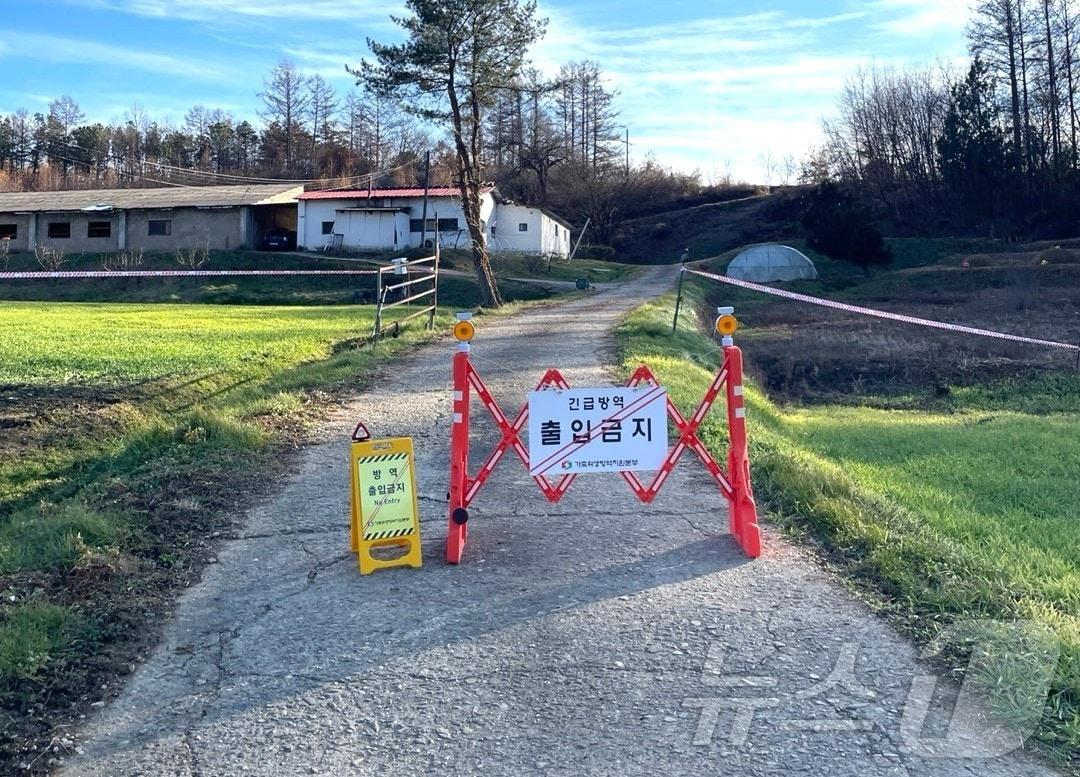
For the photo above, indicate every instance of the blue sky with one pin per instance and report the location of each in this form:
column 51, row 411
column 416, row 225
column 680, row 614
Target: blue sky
column 709, row 85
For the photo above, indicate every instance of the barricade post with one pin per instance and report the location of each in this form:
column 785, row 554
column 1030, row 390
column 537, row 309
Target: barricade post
column 457, row 523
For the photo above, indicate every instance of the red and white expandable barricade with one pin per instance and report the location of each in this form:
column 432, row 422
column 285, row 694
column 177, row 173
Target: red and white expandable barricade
column 734, row 483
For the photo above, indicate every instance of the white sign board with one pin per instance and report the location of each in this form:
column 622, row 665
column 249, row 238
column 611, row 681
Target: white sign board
column 597, row 430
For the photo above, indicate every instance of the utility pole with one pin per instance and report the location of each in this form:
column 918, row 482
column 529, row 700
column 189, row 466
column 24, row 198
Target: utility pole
column 427, row 183
column 578, row 243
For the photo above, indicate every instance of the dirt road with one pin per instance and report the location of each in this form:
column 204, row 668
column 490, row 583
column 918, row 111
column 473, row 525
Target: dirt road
column 590, row 637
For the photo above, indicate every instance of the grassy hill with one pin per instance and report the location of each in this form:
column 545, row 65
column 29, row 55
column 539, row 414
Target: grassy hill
column 709, row 230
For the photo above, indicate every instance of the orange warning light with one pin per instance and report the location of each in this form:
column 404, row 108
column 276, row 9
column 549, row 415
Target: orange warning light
column 464, row 331
column 726, row 325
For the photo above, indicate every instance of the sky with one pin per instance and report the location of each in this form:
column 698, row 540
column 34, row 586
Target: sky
column 716, row 86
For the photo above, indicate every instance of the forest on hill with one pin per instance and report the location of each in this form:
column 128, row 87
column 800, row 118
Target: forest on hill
column 550, row 142
column 993, row 149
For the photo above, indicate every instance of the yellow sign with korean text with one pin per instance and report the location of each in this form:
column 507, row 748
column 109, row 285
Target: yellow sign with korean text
column 385, row 516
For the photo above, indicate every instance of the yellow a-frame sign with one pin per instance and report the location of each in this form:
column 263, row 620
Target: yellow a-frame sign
column 384, row 503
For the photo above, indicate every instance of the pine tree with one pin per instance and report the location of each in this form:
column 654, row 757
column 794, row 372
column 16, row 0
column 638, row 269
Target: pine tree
column 457, row 57
column 973, row 151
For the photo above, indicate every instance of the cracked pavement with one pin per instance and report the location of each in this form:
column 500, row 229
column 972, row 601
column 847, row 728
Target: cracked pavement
column 595, row 636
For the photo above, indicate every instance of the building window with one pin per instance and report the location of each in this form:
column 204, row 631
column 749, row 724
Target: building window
column 99, row 229
column 9, row 231
column 556, row 230
column 444, row 225
column 328, row 227
column 59, row 229
column 523, row 227
column 159, row 227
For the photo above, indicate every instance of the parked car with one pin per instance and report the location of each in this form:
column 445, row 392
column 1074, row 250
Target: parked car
column 278, row 239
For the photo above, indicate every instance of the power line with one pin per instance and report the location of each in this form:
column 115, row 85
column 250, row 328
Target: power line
column 184, row 170
column 134, row 175
column 239, row 178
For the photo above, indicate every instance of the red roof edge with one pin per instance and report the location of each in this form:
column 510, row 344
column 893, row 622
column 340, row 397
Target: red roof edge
column 412, row 191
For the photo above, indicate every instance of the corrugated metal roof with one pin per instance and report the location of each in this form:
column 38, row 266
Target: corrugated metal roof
column 363, row 194
column 166, row 197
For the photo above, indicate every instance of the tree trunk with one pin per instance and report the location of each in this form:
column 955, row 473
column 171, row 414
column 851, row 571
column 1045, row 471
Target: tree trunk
column 1051, row 69
column 468, row 168
column 1024, row 84
column 1070, row 76
column 1014, row 88
column 489, row 287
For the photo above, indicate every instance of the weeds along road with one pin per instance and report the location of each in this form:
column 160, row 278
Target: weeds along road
column 596, row 636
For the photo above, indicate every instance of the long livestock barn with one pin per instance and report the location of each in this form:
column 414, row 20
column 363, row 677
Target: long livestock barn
column 167, row 219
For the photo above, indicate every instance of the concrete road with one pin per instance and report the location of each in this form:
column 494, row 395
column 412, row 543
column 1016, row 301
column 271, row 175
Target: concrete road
column 593, row 637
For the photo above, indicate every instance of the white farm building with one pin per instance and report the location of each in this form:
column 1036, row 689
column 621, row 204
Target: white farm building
column 390, row 219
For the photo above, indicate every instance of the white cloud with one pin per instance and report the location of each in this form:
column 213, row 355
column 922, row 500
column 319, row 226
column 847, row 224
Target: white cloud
column 724, row 141
column 922, row 17
column 57, row 49
column 705, row 90
column 724, row 85
column 283, row 10
column 328, row 64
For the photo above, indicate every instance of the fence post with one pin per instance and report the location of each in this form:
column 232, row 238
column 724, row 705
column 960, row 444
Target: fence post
column 378, row 305
column 678, row 301
column 435, row 295
column 457, row 530
column 742, row 516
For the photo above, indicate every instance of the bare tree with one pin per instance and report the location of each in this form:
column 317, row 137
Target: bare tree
column 769, row 166
column 123, row 260
column 285, row 100
column 194, row 255
column 885, row 136
column 1067, row 26
column 49, row 258
column 586, row 110
column 994, row 35
column 1052, row 83
column 322, row 105
column 788, row 169
column 65, row 112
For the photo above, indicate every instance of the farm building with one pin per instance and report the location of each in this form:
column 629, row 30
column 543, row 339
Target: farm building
column 389, row 219
column 166, row 219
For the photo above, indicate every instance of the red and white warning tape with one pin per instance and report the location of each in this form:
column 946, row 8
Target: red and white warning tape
column 58, row 274
column 882, row 313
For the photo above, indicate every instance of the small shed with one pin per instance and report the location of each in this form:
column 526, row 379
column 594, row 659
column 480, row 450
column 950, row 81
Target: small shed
column 770, row 262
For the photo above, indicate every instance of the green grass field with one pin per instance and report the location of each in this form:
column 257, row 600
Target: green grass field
column 137, row 417
column 513, row 266
column 943, row 516
column 58, row 343
column 128, row 434
column 340, row 290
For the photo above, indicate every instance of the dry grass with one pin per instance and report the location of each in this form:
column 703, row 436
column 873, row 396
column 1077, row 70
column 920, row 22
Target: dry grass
column 811, row 354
